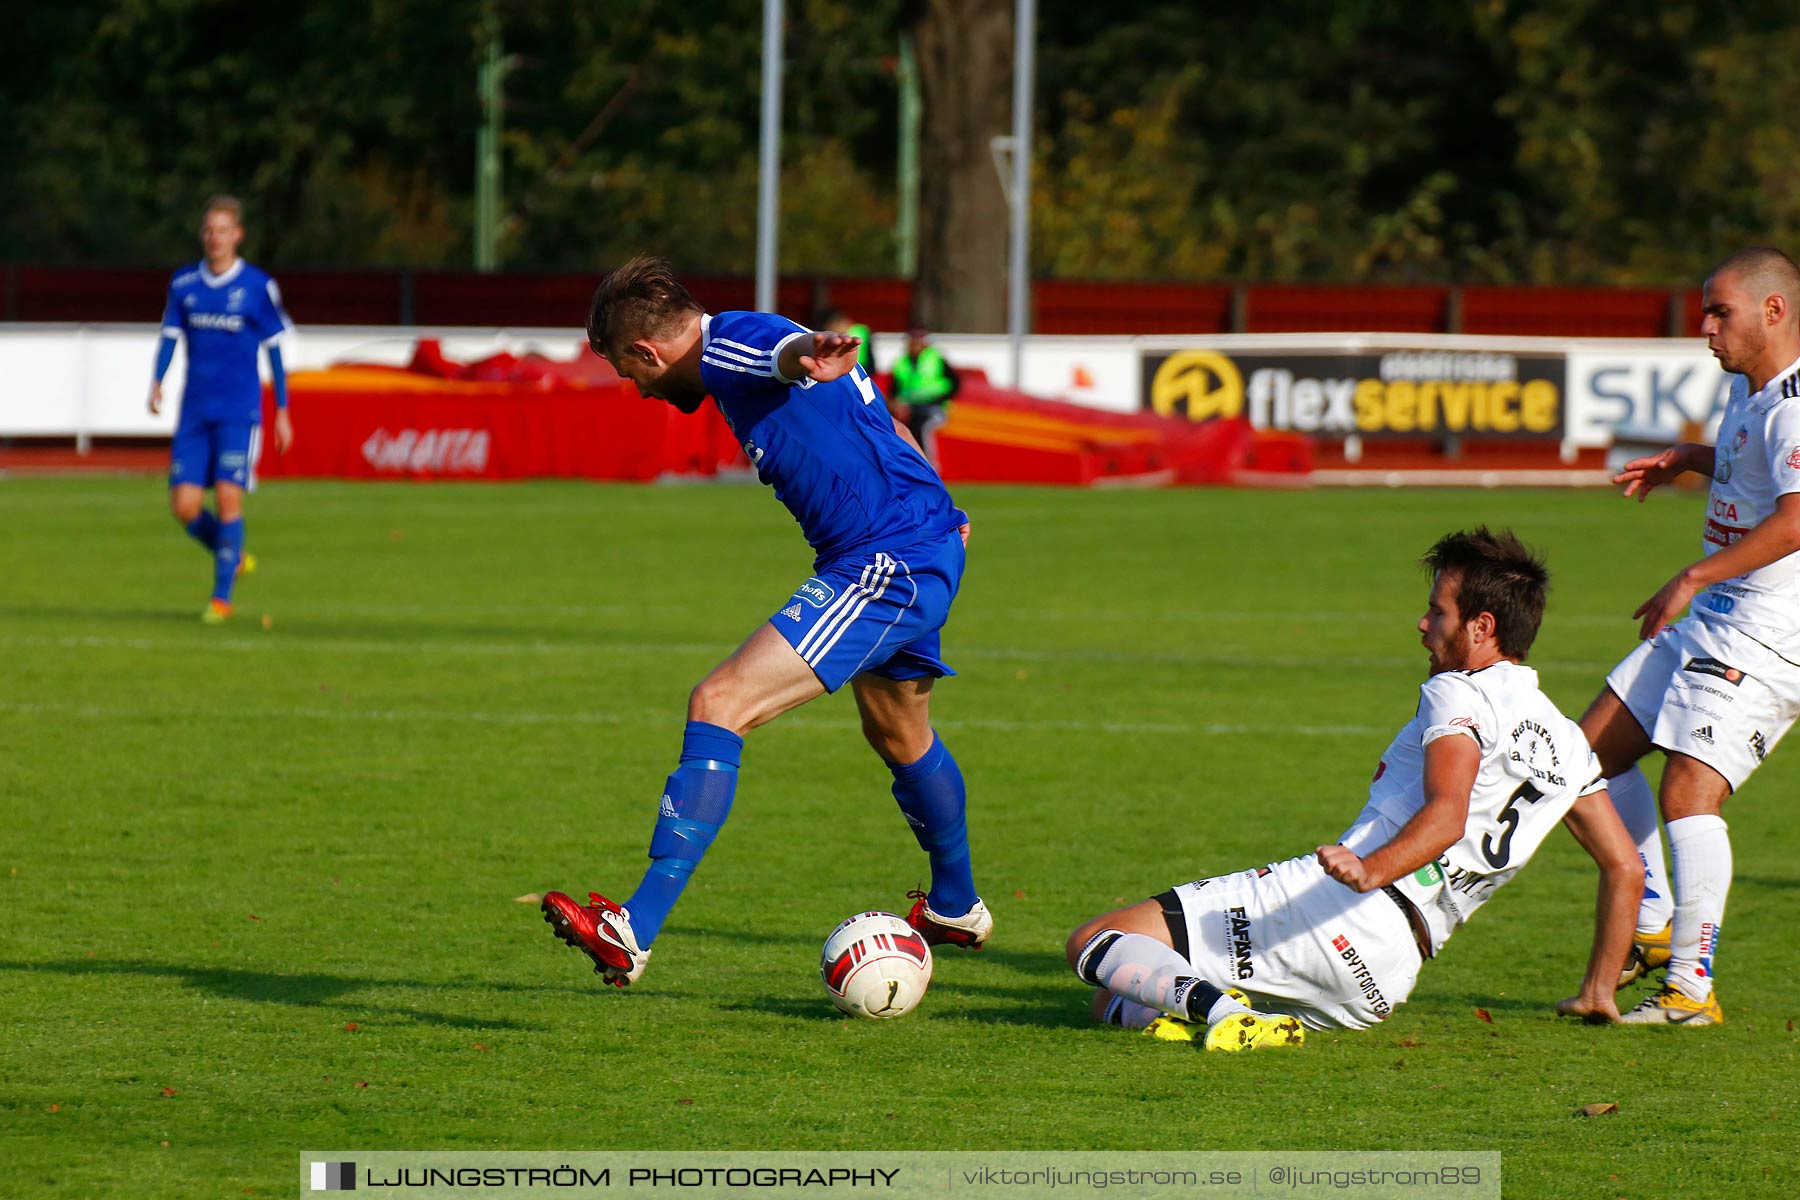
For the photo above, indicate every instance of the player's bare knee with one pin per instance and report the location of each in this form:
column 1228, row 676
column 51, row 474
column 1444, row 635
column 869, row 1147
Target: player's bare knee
column 712, row 701
column 184, row 507
column 1691, row 788
column 1079, row 939
column 722, row 699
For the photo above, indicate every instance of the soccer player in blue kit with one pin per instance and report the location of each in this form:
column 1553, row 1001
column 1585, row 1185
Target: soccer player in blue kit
column 226, row 310
column 888, row 547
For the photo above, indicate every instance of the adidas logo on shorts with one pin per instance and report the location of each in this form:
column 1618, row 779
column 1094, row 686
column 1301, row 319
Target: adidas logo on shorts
column 791, row 612
column 1703, row 734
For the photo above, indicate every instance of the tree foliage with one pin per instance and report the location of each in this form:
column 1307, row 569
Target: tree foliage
column 1476, row 140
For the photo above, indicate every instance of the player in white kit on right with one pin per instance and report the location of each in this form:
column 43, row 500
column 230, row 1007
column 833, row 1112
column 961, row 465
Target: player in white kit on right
column 1718, row 689
column 1461, row 799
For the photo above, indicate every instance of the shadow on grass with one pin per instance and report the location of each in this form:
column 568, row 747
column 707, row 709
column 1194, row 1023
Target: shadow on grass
column 1050, row 996
column 1509, row 1004
column 135, row 615
column 1042, row 1009
column 1059, row 1001
column 301, row 990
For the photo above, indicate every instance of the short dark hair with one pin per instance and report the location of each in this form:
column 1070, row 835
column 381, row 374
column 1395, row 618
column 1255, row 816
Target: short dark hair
column 1766, row 271
column 1495, row 573
column 640, row 299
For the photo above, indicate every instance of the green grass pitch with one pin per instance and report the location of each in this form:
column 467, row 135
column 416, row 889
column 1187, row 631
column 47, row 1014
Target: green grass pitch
column 260, row 881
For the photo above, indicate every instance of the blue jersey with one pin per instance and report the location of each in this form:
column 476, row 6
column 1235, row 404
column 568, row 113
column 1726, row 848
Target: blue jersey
column 828, row 449
column 225, row 319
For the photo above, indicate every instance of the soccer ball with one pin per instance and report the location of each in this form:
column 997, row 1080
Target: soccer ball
column 875, row 965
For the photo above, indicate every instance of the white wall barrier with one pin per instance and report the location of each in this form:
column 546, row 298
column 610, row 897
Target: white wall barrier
column 93, row 380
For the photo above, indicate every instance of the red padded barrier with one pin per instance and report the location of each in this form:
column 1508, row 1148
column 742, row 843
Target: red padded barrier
column 1295, row 309
column 1566, row 312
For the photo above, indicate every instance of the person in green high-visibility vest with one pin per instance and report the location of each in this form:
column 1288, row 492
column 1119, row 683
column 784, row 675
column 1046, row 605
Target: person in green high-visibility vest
column 924, row 385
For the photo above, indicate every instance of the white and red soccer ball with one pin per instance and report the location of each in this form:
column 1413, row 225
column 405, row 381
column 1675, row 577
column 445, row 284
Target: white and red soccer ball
column 875, row 965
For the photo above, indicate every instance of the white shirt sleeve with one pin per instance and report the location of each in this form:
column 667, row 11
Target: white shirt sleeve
column 1449, row 704
column 1781, row 440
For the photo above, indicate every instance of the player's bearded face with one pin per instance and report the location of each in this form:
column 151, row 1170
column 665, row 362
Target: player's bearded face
column 659, row 379
column 679, row 391
column 1446, row 637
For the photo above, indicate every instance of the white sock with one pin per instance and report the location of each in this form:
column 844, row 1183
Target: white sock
column 1223, row 1007
column 1631, row 795
column 1701, row 849
column 1139, row 968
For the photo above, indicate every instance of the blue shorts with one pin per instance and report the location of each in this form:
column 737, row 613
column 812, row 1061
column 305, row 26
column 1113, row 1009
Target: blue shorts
column 209, row 452
column 878, row 611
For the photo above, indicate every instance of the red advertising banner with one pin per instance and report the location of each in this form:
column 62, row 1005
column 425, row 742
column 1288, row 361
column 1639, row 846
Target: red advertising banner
column 388, row 423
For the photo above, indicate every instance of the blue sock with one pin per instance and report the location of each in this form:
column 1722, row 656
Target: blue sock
column 695, row 802
column 225, row 558
column 930, row 793
column 205, row 530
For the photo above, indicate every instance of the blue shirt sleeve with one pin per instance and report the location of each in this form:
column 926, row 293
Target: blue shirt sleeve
column 277, row 375
column 171, row 318
column 271, row 321
column 165, row 354
column 742, row 351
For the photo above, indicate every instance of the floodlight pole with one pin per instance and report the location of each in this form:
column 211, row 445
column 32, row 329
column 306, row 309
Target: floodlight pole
column 768, row 189
column 912, row 108
column 1018, row 263
column 487, row 148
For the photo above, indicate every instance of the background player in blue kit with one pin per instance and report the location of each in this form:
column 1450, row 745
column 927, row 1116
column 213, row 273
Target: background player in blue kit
column 226, row 310
column 888, row 547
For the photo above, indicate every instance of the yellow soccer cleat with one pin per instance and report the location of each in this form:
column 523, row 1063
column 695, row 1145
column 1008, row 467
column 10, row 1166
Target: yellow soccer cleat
column 1167, row 1028
column 216, row 612
column 1254, row 1031
column 1671, row 1006
column 1171, row 1029
column 246, row 564
column 1649, row 952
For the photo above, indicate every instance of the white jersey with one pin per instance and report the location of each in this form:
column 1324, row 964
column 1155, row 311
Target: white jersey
column 1534, row 764
column 1756, row 462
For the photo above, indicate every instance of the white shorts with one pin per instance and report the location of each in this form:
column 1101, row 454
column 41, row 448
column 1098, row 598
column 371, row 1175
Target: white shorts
column 1298, row 942
column 1705, row 689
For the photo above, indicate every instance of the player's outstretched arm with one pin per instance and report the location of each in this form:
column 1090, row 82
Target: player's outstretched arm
column 823, row 356
column 1451, row 764
column 1641, row 476
column 1596, row 825
column 1773, row 538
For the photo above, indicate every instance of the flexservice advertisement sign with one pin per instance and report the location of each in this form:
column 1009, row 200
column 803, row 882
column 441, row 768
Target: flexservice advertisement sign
column 1385, row 393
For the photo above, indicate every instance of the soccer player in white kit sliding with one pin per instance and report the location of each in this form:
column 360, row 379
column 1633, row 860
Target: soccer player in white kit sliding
column 1716, row 690
column 1462, row 797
